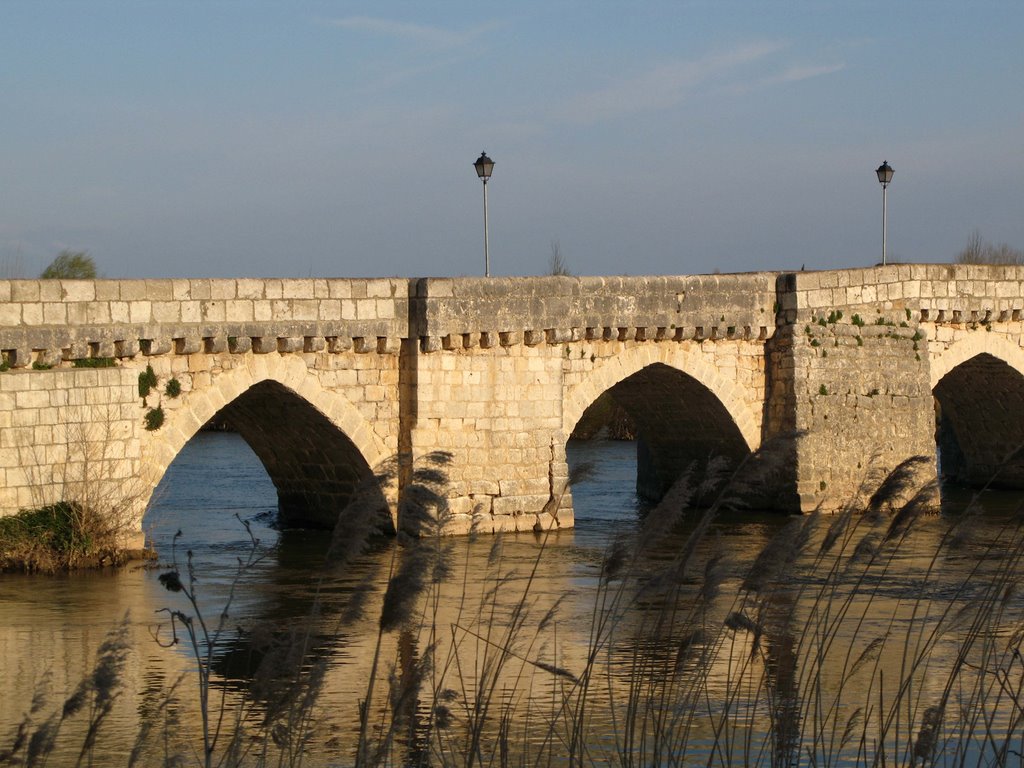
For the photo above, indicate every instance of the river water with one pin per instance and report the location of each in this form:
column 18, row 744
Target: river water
column 612, row 665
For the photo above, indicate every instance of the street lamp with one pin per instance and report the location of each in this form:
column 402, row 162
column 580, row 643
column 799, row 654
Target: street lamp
column 484, row 166
column 884, row 173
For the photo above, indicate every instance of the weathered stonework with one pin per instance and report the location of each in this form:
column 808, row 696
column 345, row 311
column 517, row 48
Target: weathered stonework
column 331, row 381
column 316, row 399
column 912, row 339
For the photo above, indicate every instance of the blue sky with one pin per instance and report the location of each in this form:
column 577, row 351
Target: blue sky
column 292, row 139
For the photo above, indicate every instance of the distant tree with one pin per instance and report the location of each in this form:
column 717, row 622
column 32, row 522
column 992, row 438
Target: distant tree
column 70, row 265
column 977, row 251
column 556, row 264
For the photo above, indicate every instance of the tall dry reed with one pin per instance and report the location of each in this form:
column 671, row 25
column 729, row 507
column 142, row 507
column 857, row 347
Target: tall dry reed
column 808, row 654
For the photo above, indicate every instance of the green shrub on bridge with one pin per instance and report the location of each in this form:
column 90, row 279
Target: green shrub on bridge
column 154, row 418
column 147, row 380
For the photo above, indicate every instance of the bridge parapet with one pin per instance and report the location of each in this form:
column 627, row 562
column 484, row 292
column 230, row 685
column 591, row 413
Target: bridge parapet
column 464, row 312
column 52, row 320
column 936, row 293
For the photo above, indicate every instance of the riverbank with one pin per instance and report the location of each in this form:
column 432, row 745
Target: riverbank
column 60, row 537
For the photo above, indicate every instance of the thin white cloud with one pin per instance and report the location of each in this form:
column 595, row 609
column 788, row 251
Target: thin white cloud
column 796, row 74
column 434, row 37
column 664, row 86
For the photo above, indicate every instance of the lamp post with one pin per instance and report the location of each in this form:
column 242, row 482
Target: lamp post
column 884, row 173
column 484, row 166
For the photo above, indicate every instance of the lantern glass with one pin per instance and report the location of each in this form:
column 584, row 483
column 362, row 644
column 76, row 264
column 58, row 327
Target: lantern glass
column 484, row 166
column 884, row 173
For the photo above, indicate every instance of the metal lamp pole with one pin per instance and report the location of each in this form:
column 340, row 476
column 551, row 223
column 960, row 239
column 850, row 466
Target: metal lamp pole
column 884, row 173
column 484, row 167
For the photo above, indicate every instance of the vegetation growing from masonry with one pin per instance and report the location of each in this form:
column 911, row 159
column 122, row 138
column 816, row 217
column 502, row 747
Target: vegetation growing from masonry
column 154, row 418
column 147, row 381
column 95, row 362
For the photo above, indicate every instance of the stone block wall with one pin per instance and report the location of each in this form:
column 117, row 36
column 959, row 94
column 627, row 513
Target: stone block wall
column 53, row 320
column 861, row 399
column 497, row 372
column 68, row 434
column 507, row 366
column 334, row 343
column 934, row 293
column 498, row 413
column 863, row 380
column 609, row 308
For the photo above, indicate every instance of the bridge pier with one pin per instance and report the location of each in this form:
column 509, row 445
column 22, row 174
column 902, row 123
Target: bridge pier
column 858, row 393
column 497, row 412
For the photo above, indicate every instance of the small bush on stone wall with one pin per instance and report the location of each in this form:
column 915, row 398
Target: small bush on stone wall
column 173, row 388
column 147, row 380
column 95, row 362
column 154, row 418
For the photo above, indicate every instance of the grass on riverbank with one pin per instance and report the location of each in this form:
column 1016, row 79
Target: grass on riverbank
column 58, row 537
column 83, row 508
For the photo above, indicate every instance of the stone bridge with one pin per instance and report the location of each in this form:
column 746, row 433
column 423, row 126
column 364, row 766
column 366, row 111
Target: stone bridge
column 333, row 380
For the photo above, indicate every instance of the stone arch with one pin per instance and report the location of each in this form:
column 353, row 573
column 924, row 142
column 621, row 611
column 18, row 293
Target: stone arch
column 685, row 411
column 609, row 372
column 979, row 342
column 978, row 384
column 307, row 495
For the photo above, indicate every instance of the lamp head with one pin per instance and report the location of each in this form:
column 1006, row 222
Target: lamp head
column 884, row 173
column 484, row 166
